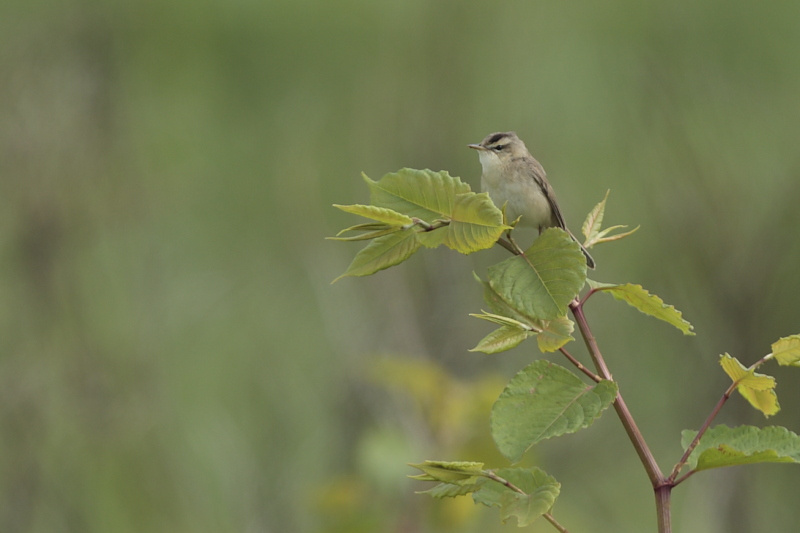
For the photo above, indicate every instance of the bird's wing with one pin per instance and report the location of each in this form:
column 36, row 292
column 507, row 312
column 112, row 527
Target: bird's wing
column 541, row 177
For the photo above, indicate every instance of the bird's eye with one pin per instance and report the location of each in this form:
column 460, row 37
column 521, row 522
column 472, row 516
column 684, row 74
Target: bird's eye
column 499, row 147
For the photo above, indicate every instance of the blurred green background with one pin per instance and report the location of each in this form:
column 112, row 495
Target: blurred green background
column 172, row 355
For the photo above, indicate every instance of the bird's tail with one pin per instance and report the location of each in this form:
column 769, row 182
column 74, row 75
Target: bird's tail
column 589, row 259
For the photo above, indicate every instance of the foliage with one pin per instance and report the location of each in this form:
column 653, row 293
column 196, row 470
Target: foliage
column 542, row 401
column 529, row 295
column 758, row 389
column 724, row 446
column 516, row 326
column 649, row 304
column 525, row 493
column 408, row 207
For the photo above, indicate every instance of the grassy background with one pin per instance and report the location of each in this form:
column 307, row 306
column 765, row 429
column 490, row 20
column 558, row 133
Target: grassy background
column 172, row 356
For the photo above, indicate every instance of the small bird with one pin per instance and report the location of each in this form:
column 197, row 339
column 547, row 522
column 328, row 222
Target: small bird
column 513, row 177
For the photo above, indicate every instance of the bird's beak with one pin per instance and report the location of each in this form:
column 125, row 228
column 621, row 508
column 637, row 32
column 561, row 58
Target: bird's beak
column 476, row 146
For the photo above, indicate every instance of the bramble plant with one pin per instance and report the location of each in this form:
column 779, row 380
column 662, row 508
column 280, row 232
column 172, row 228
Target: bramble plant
column 530, row 295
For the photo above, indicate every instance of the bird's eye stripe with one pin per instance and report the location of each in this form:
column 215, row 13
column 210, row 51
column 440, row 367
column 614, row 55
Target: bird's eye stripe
column 497, row 136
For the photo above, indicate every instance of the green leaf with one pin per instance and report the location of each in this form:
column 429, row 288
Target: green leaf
column 498, row 305
column 724, row 446
column 421, row 194
column 502, row 339
column 542, row 401
column 450, row 490
column 381, row 214
column 542, row 282
column 472, row 221
column 647, row 303
column 555, row 333
column 383, row 252
column 787, row 350
column 506, row 337
column 476, row 223
column 432, row 239
column 493, row 488
column 550, row 334
column 758, row 389
column 453, row 472
column 541, row 491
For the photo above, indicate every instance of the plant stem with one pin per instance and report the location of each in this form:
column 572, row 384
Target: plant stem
column 684, row 477
column 673, row 478
column 549, row 518
column 494, row 477
column 594, row 377
column 644, row 453
column 663, row 502
column 591, row 342
column 507, row 245
column 661, row 486
column 588, row 294
column 689, row 449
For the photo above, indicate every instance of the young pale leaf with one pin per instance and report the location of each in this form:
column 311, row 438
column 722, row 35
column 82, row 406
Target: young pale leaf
column 594, row 220
column 367, row 236
column 453, row 472
column 741, row 375
column 542, row 401
column 593, row 223
column 601, row 236
column 502, row 320
column 369, row 226
column 502, row 339
column 423, row 194
column 383, row 252
column 381, row 214
column 758, row 389
column 541, row 491
column 724, row 446
column 542, row 282
column 787, row 351
column 649, row 304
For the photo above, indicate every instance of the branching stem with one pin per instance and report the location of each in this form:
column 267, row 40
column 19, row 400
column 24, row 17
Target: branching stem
column 661, row 486
column 689, row 449
column 594, row 377
column 588, row 294
column 507, row 245
column 591, row 342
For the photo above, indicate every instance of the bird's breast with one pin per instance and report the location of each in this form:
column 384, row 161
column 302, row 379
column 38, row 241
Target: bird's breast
column 522, row 196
